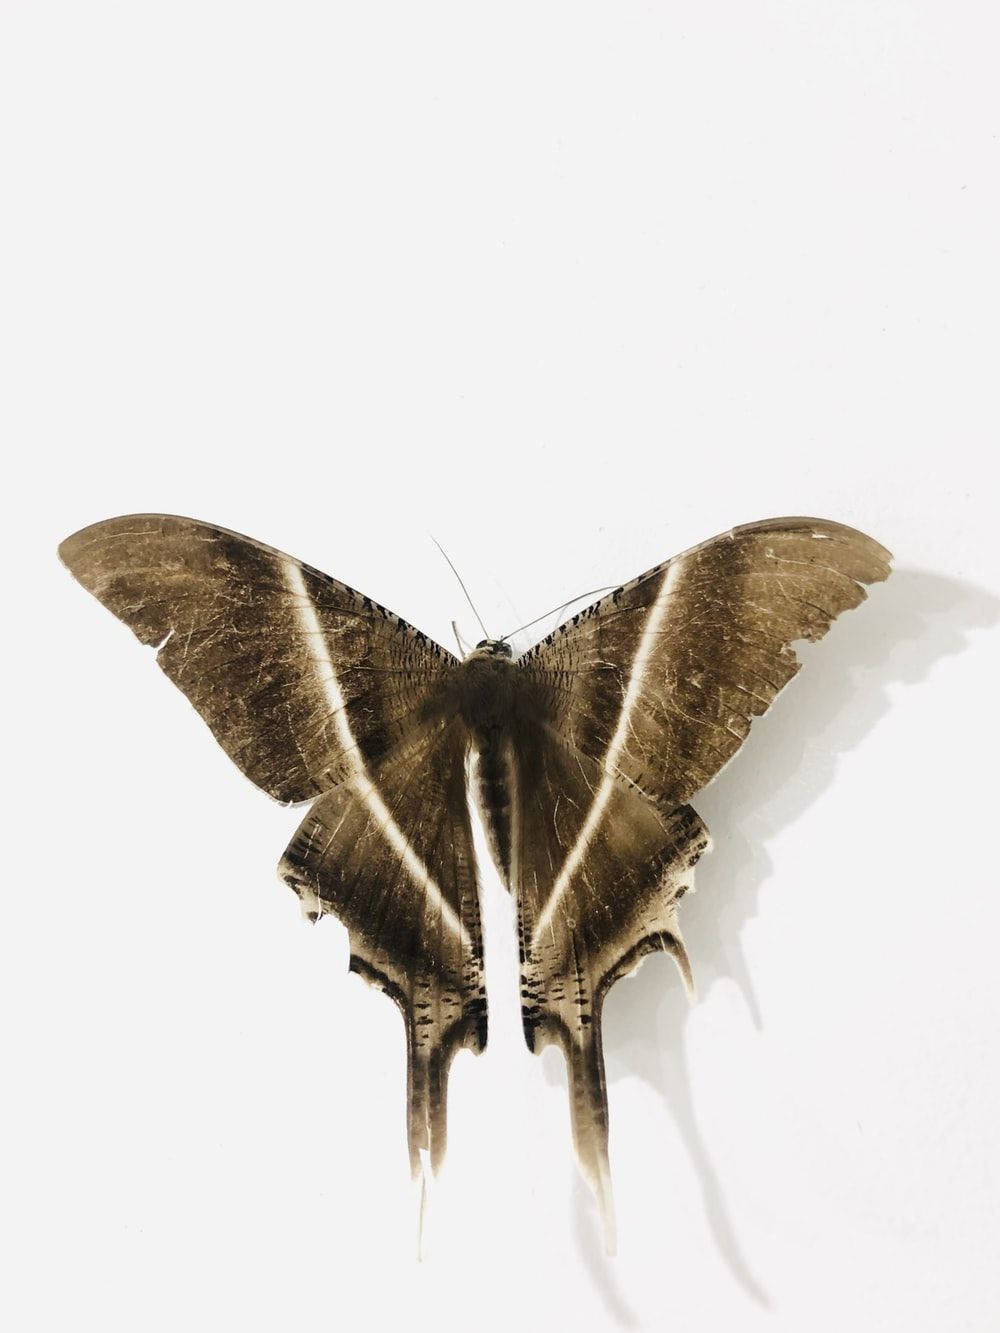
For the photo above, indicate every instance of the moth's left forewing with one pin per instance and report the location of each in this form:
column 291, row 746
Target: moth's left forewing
column 297, row 675
column 315, row 690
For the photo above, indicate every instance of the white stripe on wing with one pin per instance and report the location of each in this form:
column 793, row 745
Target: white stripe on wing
column 594, row 815
column 358, row 775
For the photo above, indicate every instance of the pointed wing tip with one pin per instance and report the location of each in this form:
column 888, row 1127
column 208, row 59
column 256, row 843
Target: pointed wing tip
column 825, row 529
column 880, row 556
column 76, row 540
column 68, row 549
column 71, row 548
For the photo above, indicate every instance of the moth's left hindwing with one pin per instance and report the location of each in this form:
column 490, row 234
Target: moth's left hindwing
column 397, row 866
column 312, row 688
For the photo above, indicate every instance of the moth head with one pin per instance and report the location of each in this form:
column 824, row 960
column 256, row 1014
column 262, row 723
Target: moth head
column 495, row 647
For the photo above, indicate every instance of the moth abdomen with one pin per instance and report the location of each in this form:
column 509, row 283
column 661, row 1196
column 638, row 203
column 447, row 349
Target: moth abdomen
column 494, row 784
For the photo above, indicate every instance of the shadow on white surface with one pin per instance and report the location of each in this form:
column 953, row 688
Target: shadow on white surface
column 909, row 623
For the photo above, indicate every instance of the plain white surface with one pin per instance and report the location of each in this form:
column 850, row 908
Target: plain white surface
column 571, row 286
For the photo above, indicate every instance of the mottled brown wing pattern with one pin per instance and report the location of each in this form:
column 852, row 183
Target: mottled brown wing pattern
column 660, row 680
column 621, row 904
column 410, row 903
column 627, row 711
column 314, row 689
column 588, row 750
column 290, row 669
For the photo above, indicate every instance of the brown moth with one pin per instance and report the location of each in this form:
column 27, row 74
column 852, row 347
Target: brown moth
column 585, row 753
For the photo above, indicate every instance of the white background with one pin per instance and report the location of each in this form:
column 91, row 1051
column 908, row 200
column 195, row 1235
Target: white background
column 570, row 286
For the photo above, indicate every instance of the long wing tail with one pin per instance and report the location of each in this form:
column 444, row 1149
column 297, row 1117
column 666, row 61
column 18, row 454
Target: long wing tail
column 395, row 863
column 591, row 902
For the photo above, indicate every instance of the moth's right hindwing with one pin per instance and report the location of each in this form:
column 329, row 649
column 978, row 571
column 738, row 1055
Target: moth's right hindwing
column 597, row 875
column 628, row 711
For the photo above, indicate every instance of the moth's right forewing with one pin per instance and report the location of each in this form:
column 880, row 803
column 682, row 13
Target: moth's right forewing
column 660, row 681
column 629, row 710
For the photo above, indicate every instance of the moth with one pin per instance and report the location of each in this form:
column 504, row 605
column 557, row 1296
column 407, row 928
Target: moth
column 583, row 755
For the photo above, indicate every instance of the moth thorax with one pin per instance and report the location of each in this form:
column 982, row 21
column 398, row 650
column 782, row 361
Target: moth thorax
column 487, row 676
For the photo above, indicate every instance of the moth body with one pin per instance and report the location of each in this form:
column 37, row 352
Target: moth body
column 489, row 678
column 487, row 683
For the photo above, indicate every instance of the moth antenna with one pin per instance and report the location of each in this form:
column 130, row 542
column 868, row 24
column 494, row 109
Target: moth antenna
column 486, row 633
column 462, row 647
column 559, row 609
